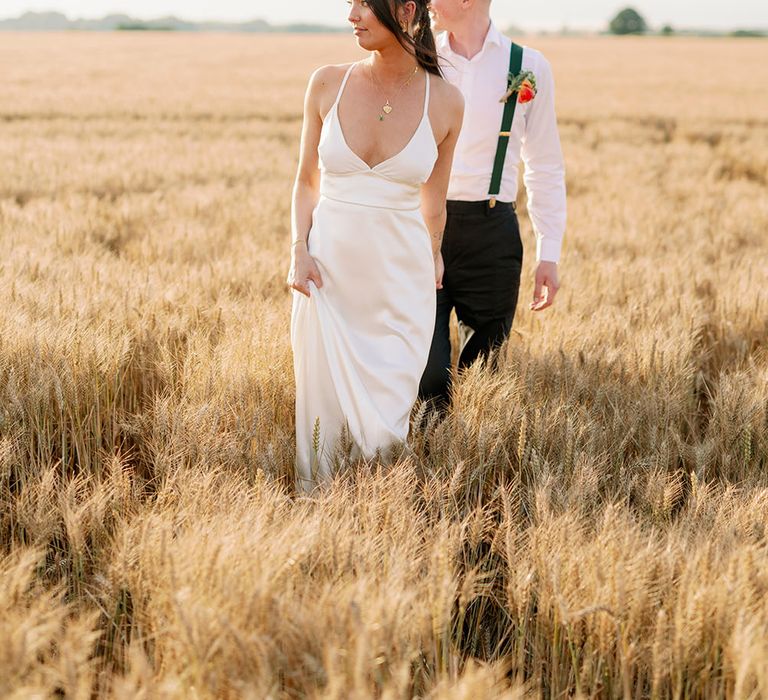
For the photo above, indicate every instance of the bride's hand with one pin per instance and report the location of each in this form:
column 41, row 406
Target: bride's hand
column 303, row 268
column 439, row 270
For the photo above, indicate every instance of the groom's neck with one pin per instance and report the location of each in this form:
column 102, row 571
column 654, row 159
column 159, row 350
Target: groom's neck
column 468, row 39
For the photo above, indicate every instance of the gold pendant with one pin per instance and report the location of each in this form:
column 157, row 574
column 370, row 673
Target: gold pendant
column 386, row 108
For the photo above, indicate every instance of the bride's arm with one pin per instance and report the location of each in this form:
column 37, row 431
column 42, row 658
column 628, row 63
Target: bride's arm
column 435, row 189
column 306, row 187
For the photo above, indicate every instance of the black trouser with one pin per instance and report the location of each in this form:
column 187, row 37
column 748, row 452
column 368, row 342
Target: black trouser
column 483, row 255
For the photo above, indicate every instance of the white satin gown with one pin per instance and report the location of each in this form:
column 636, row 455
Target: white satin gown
column 360, row 343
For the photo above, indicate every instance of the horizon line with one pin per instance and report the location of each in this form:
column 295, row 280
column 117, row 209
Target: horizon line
column 561, row 28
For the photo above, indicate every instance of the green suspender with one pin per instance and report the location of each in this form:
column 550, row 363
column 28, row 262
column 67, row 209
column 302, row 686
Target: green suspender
column 515, row 65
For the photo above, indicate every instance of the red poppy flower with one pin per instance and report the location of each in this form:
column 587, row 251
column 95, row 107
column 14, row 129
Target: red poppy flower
column 526, row 93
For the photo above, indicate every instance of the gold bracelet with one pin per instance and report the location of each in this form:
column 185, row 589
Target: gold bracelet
column 301, row 240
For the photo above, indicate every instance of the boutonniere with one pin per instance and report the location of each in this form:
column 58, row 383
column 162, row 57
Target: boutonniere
column 524, row 84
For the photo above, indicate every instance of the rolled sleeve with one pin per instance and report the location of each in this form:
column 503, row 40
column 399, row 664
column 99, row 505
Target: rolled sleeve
column 544, row 175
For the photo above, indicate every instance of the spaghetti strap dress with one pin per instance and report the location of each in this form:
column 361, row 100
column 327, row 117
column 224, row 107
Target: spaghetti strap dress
column 361, row 342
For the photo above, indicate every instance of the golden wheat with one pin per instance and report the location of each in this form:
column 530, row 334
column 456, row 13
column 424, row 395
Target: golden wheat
column 590, row 520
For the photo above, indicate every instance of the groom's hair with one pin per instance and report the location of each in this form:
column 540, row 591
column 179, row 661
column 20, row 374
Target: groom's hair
column 422, row 43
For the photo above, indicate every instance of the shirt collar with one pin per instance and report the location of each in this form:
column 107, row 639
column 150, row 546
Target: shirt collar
column 493, row 36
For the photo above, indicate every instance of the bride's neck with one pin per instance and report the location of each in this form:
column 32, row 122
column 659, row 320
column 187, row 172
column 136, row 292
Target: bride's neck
column 392, row 63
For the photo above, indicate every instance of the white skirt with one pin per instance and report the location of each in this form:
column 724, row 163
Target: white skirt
column 361, row 342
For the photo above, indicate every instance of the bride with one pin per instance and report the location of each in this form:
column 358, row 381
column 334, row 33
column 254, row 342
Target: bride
column 367, row 219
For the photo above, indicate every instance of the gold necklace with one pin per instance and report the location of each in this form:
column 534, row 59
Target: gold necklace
column 387, row 108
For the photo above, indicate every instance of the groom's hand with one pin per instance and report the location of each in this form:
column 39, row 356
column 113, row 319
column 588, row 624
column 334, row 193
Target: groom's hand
column 545, row 286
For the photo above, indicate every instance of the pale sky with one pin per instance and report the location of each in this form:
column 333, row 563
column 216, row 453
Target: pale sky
column 542, row 14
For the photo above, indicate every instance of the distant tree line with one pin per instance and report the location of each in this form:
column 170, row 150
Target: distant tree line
column 142, row 27
column 58, row 21
column 629, row 21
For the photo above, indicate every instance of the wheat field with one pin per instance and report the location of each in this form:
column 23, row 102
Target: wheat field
column 590, row 521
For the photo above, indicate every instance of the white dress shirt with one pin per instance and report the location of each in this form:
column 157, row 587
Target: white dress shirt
column 533, row 136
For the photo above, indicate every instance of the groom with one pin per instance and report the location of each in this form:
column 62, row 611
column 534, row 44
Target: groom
column 481, row 248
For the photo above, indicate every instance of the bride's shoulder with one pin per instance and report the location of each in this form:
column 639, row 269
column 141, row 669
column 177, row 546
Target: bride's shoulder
column 324, row 84
column 328, row 77
column 448, row 95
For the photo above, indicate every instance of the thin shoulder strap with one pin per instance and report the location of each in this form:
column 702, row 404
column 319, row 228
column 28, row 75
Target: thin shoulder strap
column 343, row 83
column 426, row 93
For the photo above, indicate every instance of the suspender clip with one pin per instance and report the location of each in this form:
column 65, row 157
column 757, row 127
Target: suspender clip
column 492, row 202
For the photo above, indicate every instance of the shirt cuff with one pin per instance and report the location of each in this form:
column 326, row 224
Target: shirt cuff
column 547, row 250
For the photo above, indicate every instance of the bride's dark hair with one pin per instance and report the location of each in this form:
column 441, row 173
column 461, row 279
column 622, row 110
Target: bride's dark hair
column 422, row 43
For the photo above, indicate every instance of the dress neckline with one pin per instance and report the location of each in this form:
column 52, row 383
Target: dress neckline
column 424, row 117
